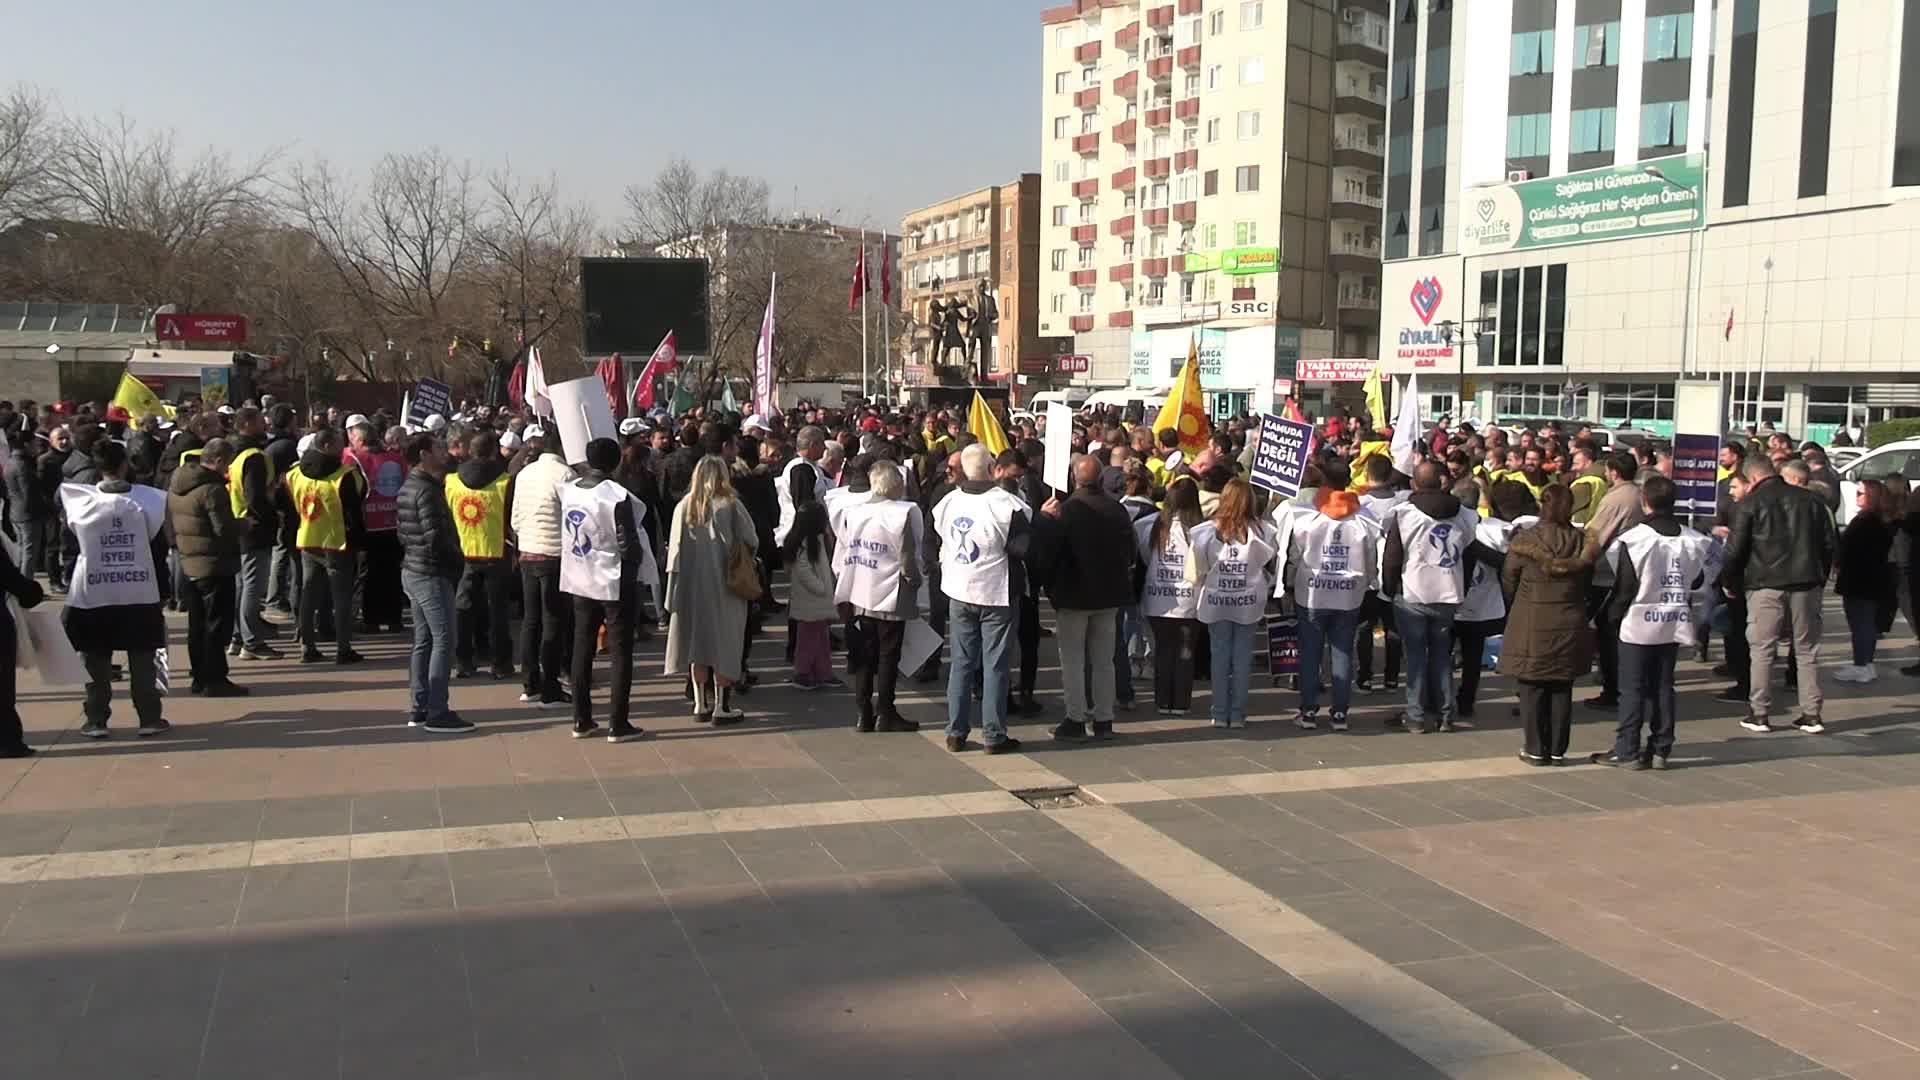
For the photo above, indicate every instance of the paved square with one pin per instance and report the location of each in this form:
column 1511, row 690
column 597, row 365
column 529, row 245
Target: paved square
column 296, row 885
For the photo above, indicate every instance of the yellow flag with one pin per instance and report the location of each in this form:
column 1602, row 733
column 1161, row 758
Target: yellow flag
column 985, row 426
column 1376, row 399
column 135, row 397
column 1185, row 409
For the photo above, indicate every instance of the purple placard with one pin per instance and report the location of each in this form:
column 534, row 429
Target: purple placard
column 1696, row 474
column 1280, row 460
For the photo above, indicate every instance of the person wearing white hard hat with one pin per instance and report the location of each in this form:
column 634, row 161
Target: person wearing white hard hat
column 436, row 424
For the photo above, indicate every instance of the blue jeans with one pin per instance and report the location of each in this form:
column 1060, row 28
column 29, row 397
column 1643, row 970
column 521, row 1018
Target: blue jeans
column 1427, row 632
column 1319, row 632
column 248, row 627
column 1646, row 697
column 431, row 664
column 1232, row 647
column 979, row 638
column 1863, row 626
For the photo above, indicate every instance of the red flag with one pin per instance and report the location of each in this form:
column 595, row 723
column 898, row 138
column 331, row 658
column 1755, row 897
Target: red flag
column 1292, row 412
column 608, row 371
column 1729, row 334
column 665, row 361
column 886, row 271
column 517, row 385
column 859, row 280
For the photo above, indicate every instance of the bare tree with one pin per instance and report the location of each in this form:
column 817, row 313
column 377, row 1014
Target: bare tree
column 680, row 204
column 532, row 240
column 26, row 136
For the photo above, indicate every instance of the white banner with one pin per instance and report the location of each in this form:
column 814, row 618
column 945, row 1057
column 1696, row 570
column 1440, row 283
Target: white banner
column 763, row 358
column 581, row 413
column 1058, row 472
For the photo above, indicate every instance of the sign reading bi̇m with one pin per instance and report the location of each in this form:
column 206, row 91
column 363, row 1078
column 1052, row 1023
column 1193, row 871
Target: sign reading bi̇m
column 1599, row 204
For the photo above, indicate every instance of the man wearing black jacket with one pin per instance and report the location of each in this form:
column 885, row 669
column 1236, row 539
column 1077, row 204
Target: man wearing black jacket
column 283, row 451
column 1779, row 553
column 430, row 566
column 250, row 484
column 1092, row 579
column 48, row 468
column 1022, row 477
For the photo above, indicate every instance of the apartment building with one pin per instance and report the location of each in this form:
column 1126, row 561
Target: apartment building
column 1213, row 171
column 949, row 249
column 1588, row 199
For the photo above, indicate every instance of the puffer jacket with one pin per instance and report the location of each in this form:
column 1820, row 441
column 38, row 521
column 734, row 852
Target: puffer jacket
column 535, row 516
column 204, row 530
column 1547, row 637
column 427, row 534
column 1782, row 538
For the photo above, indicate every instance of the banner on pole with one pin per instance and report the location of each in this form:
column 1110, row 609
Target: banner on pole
column 1058, row 471
column 1696, row 474
column 430, row 396
column 1280, row 458
column 763, row 357
column 581, row 412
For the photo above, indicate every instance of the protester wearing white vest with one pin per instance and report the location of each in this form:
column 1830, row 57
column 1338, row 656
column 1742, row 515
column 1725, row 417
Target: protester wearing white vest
column 809, row 446
column 604, row 559
column 1429, row 545
column 981, row 531
column 1166, row 599
column 113, row 602
column 1484, row 612
column 878, row 540
column 1659, row 569
column 1232, row 564
column 1332, row 558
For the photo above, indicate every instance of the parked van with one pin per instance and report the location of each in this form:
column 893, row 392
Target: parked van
column 1037, row 404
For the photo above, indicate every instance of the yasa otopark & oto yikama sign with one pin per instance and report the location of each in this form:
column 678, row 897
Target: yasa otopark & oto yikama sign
column 1599, row 204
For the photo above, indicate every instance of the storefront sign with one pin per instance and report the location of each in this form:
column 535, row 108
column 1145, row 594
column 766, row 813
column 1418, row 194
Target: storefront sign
column 1250, row 309
column 1238, row 261
column 1696, row 474
column 1280, row 457
column 190, row 326
column 1075, row 364
column 1426, row 345
column 1286, row 351
column 1599, row 204
column 1334, row 370
column 1140, row 359
column 1180, row 313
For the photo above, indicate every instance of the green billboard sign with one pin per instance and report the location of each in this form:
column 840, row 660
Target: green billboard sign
column 1239, row 261
column 1620, row 201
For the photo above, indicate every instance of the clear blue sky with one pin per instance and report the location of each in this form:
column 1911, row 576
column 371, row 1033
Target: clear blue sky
column 842, row 99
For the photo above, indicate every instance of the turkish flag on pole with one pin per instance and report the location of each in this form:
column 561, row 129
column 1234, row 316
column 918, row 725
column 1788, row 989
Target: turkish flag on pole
column 608, row 372
column 859, row 280
column 517, row 386
column 1729, row 333
column 886, row 270
column 665, row 361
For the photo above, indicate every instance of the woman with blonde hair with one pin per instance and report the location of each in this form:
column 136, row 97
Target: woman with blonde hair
column 1232, row 562
column 709, row 618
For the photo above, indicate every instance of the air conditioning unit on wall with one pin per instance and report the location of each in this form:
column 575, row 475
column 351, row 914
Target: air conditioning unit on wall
column 1514, row 176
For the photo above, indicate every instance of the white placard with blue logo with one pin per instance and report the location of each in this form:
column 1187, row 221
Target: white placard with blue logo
column 1280, row 458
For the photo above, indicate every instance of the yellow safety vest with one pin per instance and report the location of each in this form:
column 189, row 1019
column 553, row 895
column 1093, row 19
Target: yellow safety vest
column 188, row 457
column 236, row 492
column 1722, row 472
column 1596, row 490
column 1357, row 468
column 323, row 516
column 479, row 516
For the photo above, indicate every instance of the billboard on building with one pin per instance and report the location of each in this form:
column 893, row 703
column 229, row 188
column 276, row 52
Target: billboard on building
column 1620, row 201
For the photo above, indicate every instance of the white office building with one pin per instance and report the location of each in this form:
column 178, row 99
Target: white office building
column 1587, row 198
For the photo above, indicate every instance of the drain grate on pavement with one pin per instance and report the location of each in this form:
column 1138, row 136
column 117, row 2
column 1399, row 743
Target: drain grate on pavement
column 1053, row 798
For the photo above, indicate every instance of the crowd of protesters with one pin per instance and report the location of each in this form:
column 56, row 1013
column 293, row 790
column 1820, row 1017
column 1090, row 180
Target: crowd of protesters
column 1162, row 562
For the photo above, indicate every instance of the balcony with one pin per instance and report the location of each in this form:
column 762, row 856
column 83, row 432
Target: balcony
column 1088, row 52
column 1354, row 99
column 1123, row 272
column 1086, row 189
column 1120, row 318
column 1188, row 58
column 1188, row 109
column 1159, row 168
column 1156, row 217
column 1124, row 179
column 1153, row 267
column 1159, row 117
column 1355, row 258
column 1087, row 144
column 1127, row 38
column 1160, row 18
column 1355, row 206
column 1367, row 45
column 1186, row 213
column 1084, row 279
column 1190, row 7
column 1085, row 234
column 1122, row 226
column 1186, row 159
column 1160, row 68
column 1127, row 85
column 1126, row 132
column 1087, row 99
column 1359, row 299
column 1080, row 324
column 1358, row 152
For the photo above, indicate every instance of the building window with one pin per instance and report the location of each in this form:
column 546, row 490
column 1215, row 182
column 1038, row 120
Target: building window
column 1089, row 76
column 1060, row 82
column 1186, row 187
column 1062, row 170
column 1768, row 407
column 1592, row 131
column 1669, row 37
column 1525, row 401
column 1211, row 233
column 1834, row 406
column 1399, row 155
column 1246, row 178
column 1126, row 248
column 1396, row 235
column 1636, row 404
column 1530, row 135
column 1253, row 70
column 1433, row 220
column 1816, row 98
column 1402, row 79
column 1438, row 71
column 1532, row 53
column 1213, row 77
column 1189, row 138
column 1906, row 125
column 1663, row 123
column 1062, row 37
column 1192, row 84
column 1211, row 185
column 1006, row 218
column 1089, row 122
column 1086, row 213
column 1216, row 24
column 1057, row 303
column 1058, row 258
column 1086, row 256
column 1249, row 124
column 1059, row 215
column 1246, row 233
column 1433, row 147
column 1086, row 301
column 1253, row 15
column 1213, row 131
column 1742, row 76
column 1059, row 127
column 1556, row 335
column 1596, row 45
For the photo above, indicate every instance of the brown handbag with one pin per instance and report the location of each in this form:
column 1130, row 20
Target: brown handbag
column 743, row 571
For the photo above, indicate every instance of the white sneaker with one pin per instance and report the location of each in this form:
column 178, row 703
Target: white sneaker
column 1339, row 721
column 1867, row 673
column 1305, row 722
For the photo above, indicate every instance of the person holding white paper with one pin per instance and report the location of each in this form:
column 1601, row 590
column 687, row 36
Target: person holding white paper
column 113, row 604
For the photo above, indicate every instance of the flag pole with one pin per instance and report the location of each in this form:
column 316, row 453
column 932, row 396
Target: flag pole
column 865, row 389
column 886, row 342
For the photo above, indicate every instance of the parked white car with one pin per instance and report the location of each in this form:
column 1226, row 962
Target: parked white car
column 1900, row 459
